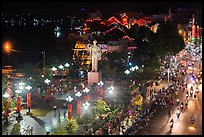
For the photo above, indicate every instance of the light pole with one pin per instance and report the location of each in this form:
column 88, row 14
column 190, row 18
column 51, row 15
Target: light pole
column 101, row 89
column 43, row 52
column 168, row 75
column 47, row 81
column 61, row 68
column 86, row 90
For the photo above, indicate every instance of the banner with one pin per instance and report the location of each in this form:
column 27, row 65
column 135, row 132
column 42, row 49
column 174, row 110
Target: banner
column 69, row 111
column 86, row 98
column 18, row 104
column 28, row 100
column 101, row 92
column 78, row 107
column 193, row 32
column 6, row 109
column 198, row 32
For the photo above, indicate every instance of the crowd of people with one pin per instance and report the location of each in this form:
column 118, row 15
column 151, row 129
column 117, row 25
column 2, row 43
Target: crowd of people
column 166, row 97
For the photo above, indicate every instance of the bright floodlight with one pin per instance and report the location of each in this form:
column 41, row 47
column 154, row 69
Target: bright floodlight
column 78, row 94
column 67, row 65
column 127, row 72
column 28, row 87
column 42, row 76
column 110, row 89
column 6, row 95
column 86, row 105
column 86, row 90
column 60, row 67
column 69, row 98
column 54, row 69
column 47, row 81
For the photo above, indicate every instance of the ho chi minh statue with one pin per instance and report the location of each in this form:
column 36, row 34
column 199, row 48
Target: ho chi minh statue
column 95, row 53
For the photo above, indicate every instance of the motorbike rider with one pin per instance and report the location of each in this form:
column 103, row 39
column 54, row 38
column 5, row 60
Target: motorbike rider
column 171, row 123
column 192, row 119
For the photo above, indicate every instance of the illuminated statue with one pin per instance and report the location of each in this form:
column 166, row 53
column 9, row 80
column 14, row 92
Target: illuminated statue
column 95, row 53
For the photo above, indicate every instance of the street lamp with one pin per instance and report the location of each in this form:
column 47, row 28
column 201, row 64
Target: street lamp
column 111, row 89
column 47, row 81
column 54, row 68
column 67, row 65
column 61, row 67
column 86, row 90
column 101, row 89
column 7, row 48
column 86, row 105
column 69, row 99
column 127, row 72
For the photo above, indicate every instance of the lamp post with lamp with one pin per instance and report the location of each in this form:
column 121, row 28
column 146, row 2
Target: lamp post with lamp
column 86, row 97
column 100, row 84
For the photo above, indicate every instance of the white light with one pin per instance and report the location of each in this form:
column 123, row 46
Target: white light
column 21, row 84
column 136, row 67
column 101, row 83
column 132, row 69
column 54, row 69
column 6, row 95
column 47, row 81
column 28, row 87
column 86, row 105
column 21, row 87
column 69, row 98
column 18, row 91
column 78, row 94
column 127, row 72
column 60, row 67
column 42, row 76
column 110, row 89
column 67, row 65
column 86, row 90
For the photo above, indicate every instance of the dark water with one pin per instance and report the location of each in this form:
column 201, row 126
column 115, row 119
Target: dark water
column 32, row 40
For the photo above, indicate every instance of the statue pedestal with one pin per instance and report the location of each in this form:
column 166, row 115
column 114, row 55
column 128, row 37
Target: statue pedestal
column 94, row 77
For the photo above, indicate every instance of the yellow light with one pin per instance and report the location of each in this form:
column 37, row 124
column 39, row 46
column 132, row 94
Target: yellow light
column 191, row 128
column 7, row 46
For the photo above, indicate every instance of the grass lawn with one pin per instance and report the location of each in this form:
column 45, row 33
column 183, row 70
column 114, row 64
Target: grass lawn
column 40, row 112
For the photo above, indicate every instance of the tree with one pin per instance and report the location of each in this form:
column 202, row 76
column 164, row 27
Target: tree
column 4, row 83
column 71, row 126
column 60, row 131
column 16, row 129
column 168, row 39
column 101, row 107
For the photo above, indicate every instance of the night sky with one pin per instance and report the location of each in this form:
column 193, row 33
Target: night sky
column 70, row 7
